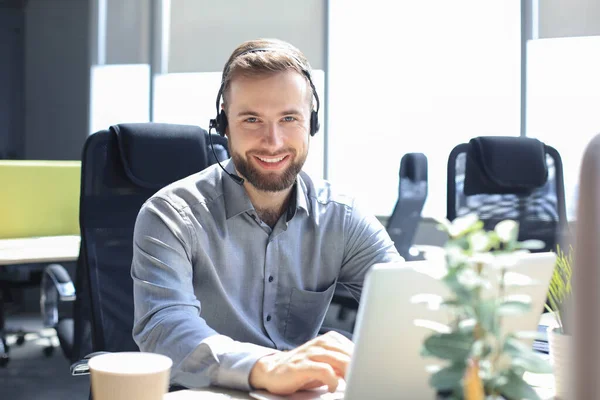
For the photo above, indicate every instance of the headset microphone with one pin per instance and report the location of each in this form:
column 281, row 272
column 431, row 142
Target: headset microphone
column 236, row 179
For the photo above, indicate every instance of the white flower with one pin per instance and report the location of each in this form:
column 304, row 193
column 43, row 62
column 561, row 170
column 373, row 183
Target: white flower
column 507, row 230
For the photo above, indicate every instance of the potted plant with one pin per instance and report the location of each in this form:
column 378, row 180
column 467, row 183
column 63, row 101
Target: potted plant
column 482, row 361
column 559, row 333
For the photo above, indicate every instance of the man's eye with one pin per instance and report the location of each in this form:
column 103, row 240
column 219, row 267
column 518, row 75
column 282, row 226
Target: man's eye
column 251, row 119
column 289, row 119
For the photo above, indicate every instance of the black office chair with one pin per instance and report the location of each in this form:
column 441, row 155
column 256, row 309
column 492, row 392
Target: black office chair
column 412, row 193
column 121, row 168
column 516, row 178
column 13, row 279
column 403, row 223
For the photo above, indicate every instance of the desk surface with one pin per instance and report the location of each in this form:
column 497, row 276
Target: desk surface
column 39, row 249
column 207, row 394
column 543, row 385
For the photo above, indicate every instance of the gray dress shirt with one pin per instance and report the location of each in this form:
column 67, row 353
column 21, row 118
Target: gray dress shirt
column 215, row 288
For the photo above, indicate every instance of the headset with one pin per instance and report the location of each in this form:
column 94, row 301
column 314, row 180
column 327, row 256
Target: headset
column 219, row 124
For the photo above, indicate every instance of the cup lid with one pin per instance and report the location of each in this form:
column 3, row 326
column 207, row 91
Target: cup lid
column 133, row 363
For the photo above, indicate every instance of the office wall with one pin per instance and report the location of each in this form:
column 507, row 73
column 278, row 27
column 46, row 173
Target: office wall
column 128, row 31
column 204, row 32
column 11, row 79
column 56, row 78
column 566, row 18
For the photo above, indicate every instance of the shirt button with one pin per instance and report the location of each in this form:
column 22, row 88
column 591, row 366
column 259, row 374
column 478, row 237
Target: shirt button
column 268, row 318
column 270, row 279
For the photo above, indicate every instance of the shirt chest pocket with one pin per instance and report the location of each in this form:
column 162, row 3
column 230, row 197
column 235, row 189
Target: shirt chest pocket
column 306, row 312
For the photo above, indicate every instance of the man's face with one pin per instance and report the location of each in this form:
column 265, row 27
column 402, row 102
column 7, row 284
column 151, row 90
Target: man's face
column 268, row 128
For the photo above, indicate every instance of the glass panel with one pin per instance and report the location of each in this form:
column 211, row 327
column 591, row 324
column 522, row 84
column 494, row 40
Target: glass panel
column 407, row 77
column 563, row 99
column 119, row 94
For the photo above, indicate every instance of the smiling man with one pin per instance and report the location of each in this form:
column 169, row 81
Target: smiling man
column 234, row 267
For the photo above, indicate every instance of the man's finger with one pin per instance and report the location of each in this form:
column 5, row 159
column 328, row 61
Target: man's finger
column 317, row 371
column 312, row 385
column 344, row 348
column 339, row 361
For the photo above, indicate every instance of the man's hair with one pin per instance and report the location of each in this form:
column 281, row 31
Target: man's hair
column 281, row 56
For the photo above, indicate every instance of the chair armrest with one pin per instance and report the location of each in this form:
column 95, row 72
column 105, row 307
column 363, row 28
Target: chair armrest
column 81, row 367
column 56, row 286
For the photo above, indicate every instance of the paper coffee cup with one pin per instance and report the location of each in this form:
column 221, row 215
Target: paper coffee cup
column 130, row 376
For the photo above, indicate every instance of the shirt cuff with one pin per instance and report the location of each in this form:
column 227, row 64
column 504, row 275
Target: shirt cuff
column 236, row 363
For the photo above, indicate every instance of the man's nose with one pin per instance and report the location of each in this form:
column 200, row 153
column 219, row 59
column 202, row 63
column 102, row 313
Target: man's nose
column 274, row 135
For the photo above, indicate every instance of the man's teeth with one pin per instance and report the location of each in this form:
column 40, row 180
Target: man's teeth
column 271, row 160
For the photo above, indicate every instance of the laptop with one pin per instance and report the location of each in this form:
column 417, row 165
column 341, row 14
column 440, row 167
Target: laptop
column 390, row 329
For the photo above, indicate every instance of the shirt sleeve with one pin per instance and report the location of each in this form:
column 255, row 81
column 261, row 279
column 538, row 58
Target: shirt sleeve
column 366, row 243
column 167, row 313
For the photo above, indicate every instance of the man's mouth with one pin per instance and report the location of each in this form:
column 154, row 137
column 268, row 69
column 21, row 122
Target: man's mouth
column 271, row 162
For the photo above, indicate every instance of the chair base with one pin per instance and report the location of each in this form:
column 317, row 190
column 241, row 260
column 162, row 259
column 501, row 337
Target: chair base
column 4, row 357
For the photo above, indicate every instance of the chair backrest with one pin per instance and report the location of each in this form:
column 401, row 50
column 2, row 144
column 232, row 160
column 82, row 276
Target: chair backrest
column 412, row 193
column 516, row 178
column 121, row 168
column 39, row 198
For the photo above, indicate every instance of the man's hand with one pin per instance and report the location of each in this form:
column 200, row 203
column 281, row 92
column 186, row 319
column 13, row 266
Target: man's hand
column 320, row 361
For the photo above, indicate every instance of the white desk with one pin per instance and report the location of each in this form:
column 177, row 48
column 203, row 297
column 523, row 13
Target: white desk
column 46, row 249
column 543, row 384
column 207, row 394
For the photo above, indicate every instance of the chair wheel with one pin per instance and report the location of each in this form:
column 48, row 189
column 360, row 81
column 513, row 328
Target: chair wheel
column 21, row 340
column 48, row 351
column 4, row 359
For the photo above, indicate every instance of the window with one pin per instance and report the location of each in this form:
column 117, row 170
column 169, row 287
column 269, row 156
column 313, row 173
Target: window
column 563, row 99
column 119, row 93
column 409, row 77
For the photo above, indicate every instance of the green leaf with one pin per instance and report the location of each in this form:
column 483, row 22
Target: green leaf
column 507, row 231
column 517, row 388
column 524, row 357
column 513, row 347
column 532, row 362
column 513, row 307
column 449, row 346
column 451, row 303
column 486, row 313
column 463, row 293
column 449, row 377
column 481, row 349
column 463, row 225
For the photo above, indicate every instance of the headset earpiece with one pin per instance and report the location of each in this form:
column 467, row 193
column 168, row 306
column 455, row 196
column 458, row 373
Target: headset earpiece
column 314, row 123
column 221, row 123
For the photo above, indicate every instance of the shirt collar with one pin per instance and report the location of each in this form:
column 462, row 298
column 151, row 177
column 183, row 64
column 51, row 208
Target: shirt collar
column 235, row 196
column 301, row 194
column 238, row 202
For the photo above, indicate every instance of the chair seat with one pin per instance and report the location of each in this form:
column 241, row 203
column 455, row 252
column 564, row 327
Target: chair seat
column 65, row 333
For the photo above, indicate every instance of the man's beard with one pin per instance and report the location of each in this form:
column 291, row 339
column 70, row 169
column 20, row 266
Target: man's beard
column 268, row 181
